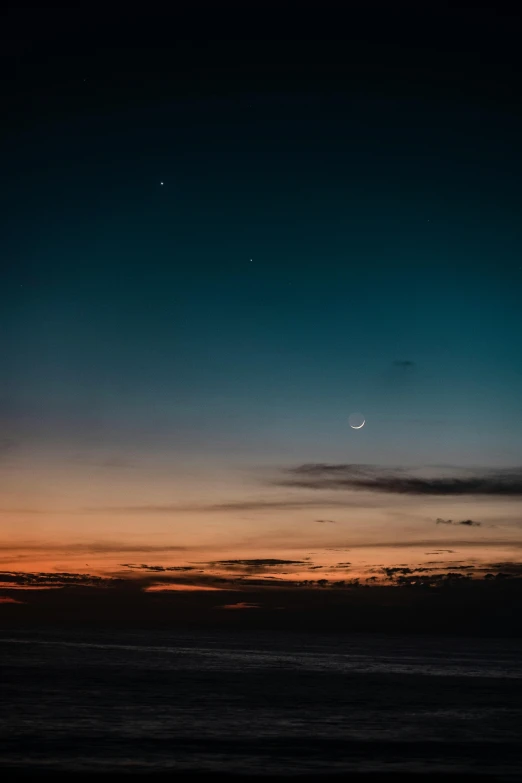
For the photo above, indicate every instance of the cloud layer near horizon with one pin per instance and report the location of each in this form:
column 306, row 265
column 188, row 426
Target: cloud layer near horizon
column 242, row 575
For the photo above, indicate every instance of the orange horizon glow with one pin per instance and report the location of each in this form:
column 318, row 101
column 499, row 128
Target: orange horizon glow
column 180, row 546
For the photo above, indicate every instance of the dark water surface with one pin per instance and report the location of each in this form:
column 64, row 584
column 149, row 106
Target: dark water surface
column 270, row 703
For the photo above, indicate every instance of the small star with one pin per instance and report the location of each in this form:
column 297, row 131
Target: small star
column 161, row 183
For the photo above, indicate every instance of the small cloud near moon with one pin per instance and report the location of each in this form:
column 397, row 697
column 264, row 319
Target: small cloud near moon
column 356, row 421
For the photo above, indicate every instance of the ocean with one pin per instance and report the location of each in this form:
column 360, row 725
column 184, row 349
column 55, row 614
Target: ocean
column 252, row 703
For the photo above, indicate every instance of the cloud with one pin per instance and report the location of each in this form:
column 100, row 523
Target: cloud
column 241, row 605
column 116, row 587
column 180, row 587
column 256, row 565
column 513, row 568
column 431, row 580
column 122, row 581
column 397, row 570
column 465, row 522
column 335, row 549
column 261, row 561
column 145, row 567
column 405, row 364
column 372, row 478
column 42, row 578
column 326, row 521
column 394, row 571
column 6, row 599
column 243, row 505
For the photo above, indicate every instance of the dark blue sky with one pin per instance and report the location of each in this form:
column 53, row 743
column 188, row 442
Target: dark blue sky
column 380, row 230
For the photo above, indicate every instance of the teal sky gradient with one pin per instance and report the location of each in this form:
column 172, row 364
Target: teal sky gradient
column 379, row 232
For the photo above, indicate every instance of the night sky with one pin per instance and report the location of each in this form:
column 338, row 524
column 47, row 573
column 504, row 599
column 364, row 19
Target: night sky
column 214, row 252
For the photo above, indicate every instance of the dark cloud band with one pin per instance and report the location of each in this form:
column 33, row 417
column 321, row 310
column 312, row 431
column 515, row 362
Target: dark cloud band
column 372, row 478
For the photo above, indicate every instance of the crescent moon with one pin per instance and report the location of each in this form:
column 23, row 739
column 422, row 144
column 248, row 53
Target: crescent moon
column 356, row 420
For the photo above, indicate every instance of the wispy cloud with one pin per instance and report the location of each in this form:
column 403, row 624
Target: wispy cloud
column 42, row 578
column 181, row 587
column 260, row 561
column 373, row 478
column 465, row 522
column 404, row 364
column 257, row 565
column 326, row 521
column 513, row 568
column 156, row 568
column 241, row 505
